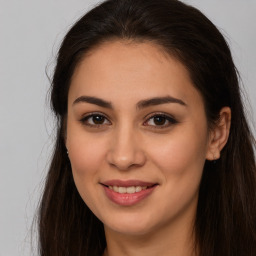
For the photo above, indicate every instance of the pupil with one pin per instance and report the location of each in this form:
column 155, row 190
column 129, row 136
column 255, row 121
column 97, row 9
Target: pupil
column 159, row 120
column 98, row 119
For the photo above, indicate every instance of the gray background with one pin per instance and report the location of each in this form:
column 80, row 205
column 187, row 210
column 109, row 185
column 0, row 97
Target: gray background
column 30, row 33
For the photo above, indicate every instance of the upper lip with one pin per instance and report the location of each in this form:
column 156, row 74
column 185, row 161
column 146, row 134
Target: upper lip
column 127, row 183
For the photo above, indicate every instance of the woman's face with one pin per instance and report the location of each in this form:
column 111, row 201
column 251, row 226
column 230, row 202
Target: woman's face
column 137, row 137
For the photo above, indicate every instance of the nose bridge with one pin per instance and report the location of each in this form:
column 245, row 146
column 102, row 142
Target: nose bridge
column 126, row 149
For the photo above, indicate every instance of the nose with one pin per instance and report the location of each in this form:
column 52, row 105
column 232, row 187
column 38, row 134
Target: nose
column 126, row 151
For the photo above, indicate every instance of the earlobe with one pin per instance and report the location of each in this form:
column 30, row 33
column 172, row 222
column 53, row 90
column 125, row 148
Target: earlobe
column 219, row 135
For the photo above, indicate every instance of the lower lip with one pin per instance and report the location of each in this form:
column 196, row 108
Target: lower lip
column 127, row 199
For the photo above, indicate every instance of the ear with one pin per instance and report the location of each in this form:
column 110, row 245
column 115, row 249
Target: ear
column 219, row 135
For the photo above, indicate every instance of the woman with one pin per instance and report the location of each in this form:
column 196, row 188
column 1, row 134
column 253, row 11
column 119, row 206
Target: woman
column 153, row 152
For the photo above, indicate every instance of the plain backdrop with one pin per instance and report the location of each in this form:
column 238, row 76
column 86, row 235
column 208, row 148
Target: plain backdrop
column 30, row 34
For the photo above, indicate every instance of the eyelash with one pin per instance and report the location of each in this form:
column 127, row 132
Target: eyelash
column 85, row 119
column 167, row 118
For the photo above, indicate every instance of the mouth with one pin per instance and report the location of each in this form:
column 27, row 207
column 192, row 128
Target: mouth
column 127, row 193
column 128, row 190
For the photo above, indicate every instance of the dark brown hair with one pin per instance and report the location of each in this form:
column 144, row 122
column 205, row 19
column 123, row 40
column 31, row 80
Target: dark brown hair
column 225, row 222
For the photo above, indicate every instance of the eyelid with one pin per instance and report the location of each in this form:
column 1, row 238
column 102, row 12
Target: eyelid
column 86, row 116
column 172, row 120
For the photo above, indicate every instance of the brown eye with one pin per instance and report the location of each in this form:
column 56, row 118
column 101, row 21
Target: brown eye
column 95, row 120
column 98, row 119
column 160, row 121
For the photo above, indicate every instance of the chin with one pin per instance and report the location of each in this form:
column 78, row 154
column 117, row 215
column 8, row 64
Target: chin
column 130, row 225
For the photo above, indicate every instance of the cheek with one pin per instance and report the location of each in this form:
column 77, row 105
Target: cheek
column 85, row 149
column 182, row 153
column 86, row 159
column 87, row 155
column 180, row 158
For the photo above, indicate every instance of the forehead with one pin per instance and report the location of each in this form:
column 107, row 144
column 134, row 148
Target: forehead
column 124, row 69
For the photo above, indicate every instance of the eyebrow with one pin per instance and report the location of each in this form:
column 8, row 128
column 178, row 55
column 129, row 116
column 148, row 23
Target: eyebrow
column 158, row 101
column 140, row 105
column 94, row 100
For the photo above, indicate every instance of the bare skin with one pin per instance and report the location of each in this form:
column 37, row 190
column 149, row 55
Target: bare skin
column 134, row 114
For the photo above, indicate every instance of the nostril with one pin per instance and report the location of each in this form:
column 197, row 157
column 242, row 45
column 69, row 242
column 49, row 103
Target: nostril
column 126, row 160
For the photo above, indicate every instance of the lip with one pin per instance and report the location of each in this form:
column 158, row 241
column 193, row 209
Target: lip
column 127, row 199
column 127, row 183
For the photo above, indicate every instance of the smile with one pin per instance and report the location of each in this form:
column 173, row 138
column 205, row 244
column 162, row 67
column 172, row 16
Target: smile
column 129, row 190
column 125, row 194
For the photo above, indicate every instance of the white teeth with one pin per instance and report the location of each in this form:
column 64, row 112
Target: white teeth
column 115, row 188
column 122, row 190
column 138, row 189
column 129, row 190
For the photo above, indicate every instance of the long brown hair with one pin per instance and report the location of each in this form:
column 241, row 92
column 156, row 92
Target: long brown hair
column 225, row 222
